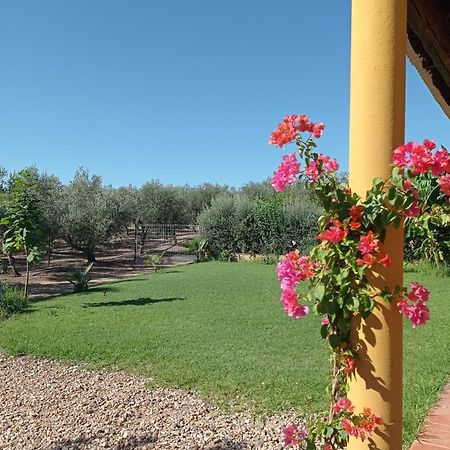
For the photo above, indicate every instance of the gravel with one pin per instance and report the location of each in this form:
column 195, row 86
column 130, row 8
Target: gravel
column 49, row 406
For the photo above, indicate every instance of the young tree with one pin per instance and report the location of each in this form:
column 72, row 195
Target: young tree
column 22, row 221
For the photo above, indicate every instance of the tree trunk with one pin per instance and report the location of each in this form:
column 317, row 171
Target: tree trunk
column 90, row 255
column 12, row 263
column 143, row 239
column 49, row 251
column 27, row 278
column 135, row 241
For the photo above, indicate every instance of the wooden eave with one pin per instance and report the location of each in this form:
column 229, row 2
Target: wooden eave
column 428, row 46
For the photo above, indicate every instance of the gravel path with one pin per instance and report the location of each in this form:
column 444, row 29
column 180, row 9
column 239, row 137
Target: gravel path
column 48, row 406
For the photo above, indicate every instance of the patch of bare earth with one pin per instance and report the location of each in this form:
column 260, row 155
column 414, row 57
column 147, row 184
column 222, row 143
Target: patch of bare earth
column 48, row 406
column 112, row 263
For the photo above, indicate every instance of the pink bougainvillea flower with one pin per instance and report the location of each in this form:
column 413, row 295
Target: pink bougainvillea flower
column 418, row 292
column 289, row 300
column 343, row 404
column 294, row 435
column 328, row 164
column 285, row 133
column 286, row 173
column 311, row 171
column 325, row 321
column 368, row 243
column 413, row 306
column 288, row 275
column 444, row 182
column 415, row 156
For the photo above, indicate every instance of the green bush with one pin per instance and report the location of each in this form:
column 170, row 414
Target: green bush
column 12, row 300
column 238, row 224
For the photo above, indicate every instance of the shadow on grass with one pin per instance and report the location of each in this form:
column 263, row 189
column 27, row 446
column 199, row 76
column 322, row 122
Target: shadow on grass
column 132, row 302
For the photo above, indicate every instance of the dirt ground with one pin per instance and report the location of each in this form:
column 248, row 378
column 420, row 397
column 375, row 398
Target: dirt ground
column 113, row 263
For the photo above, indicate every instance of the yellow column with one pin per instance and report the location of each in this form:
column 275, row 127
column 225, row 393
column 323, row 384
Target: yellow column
column 377, row 116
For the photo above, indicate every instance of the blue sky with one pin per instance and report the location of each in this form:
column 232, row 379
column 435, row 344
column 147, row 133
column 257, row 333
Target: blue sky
column 185, row 92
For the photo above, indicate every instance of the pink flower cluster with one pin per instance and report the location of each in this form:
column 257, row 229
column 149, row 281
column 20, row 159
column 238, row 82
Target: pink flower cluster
column 413, row 305
column 421, row 159
column 293, row 269
column 294, row 435
column 291, row 125
column 444, row 182
column 323, row 164
column 286, row 173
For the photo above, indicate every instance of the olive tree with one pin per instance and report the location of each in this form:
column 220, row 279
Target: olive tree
column 92, row 214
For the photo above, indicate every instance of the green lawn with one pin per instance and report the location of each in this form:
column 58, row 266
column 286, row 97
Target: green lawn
column 218, row 328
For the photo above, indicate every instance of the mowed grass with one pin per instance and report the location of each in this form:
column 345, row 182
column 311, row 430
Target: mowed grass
column 218, row 328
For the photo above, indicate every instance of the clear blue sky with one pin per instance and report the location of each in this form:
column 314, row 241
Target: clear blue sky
column 183, row 91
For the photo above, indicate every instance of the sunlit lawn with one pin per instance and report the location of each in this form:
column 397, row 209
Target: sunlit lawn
column 218, row 328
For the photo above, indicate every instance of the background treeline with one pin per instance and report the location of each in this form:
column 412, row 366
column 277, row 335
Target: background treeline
column 37, row 208
column 87, row 215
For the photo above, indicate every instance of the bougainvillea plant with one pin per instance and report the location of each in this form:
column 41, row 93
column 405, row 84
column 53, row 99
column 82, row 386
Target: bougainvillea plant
column 352, row 231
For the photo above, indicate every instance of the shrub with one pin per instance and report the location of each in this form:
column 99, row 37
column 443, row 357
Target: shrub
column 12, row 300
column 238, row 224
column 80, row 279
column 154, row 261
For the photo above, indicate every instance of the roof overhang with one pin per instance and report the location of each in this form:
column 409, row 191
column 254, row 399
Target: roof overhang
column 428, row 46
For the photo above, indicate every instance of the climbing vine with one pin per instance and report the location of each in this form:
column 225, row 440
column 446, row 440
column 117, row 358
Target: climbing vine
column 349, row 248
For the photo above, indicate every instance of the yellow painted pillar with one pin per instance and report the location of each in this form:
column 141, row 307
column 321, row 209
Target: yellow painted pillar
column 377, row 117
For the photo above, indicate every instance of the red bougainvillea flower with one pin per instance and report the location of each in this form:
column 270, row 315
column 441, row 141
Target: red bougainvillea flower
column 286, row 132
column 444, row 182
column 349, row 364
column 327, row 446
column 356, row 212
column 441, row 162
column 317, row 130
column 286, row 173
column 333, row 235
column 413, row 306
column 294, row 435
column 370, row 421
column 288, row 129
column 368, row 243
column 384, row 259
column 413, row 210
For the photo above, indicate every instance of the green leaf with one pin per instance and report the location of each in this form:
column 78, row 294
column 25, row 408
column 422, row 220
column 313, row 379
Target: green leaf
column 319, row 292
